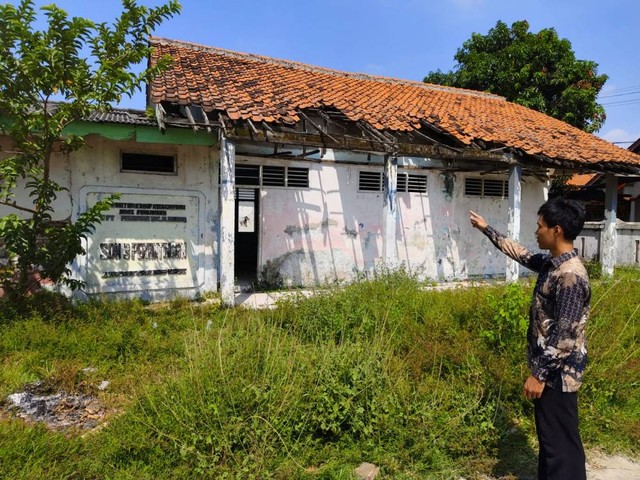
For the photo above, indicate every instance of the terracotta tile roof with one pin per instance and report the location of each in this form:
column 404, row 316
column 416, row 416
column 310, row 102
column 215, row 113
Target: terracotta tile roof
column 580, row 180
column 246, row 86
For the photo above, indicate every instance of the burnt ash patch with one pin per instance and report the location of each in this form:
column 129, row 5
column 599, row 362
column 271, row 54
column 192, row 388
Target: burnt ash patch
column 58, row 410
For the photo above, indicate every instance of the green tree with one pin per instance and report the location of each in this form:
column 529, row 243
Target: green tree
column 49, row 79
column 537, row 70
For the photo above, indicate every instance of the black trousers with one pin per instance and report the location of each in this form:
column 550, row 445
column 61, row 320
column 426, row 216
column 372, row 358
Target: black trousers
column 561, row 454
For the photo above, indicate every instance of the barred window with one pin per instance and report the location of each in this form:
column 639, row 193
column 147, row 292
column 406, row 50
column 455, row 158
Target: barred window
column 486, row 187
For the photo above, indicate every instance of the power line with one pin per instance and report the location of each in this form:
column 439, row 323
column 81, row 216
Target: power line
column 622, row 102
column 622, row 89
column 620, row 94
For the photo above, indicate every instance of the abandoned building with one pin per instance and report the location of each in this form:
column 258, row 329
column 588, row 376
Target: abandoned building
column 255, row 166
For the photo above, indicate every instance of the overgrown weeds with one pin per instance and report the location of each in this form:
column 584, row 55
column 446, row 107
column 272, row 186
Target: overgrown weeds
column 425, row 384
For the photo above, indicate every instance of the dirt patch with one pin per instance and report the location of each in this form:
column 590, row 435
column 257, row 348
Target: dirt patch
column 611, row 467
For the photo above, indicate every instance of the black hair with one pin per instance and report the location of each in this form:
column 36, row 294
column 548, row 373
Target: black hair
column 566, row 213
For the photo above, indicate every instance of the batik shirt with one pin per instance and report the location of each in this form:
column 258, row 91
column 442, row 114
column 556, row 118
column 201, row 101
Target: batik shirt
column 558, row 315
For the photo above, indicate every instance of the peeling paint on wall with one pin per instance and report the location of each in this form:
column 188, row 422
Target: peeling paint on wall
column 350, row 233
column 448, row 180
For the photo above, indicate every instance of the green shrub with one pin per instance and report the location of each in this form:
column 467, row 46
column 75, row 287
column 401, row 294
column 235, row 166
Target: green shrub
column 425, row 384
column 510, row 319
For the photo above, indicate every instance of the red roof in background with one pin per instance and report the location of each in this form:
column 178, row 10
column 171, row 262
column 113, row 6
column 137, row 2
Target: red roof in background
column 581, row 180
column 247, row 86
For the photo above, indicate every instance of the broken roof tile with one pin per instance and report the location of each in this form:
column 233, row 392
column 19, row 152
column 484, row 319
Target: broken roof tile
column 254, row 86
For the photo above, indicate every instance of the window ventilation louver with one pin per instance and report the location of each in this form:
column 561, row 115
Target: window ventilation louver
column 370, row 181
column 245, row 193
column 416, row 183
column 493, row 188
column 402, row 183
column 485, row 187
column 273, row 176
column 298, row 177
column 247, row 175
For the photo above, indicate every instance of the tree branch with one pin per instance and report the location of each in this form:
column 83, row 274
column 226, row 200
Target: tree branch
column 16, row 206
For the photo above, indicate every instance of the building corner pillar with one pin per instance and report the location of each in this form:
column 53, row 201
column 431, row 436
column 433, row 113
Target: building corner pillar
column 226, row 238
column 609, row 233
column 513, row 226
column 390, row 211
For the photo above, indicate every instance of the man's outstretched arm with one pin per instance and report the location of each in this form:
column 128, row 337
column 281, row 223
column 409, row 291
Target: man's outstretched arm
column 509, row 247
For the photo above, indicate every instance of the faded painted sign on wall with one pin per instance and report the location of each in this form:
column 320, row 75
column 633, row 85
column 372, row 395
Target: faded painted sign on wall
column 146, row 241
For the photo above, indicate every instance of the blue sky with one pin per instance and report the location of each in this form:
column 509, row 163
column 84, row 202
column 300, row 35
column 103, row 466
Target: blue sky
column 407, row 38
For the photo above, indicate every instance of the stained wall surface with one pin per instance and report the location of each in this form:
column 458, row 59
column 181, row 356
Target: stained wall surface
column 333, row 231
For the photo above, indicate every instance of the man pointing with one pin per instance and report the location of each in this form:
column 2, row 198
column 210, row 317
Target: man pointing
column 556, row 346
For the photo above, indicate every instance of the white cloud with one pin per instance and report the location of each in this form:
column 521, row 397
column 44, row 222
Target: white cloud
column 619, row 135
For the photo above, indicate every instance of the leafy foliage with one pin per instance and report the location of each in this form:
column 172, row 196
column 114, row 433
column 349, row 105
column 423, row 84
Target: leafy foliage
column 537, row 70
column 510, row 318
column 413, row 383
column 49, row 79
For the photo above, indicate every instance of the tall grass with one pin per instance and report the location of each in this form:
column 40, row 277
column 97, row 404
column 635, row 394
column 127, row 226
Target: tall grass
column 425, row 384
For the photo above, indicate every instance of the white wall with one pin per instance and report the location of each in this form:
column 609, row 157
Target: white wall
column 321, row 234
column 191, row 195
column 439, row 242
column 331, row 231
column 95, row 172
column 589, row 241
column 324, row 233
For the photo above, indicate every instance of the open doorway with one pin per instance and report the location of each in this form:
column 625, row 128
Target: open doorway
column 246, row 237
